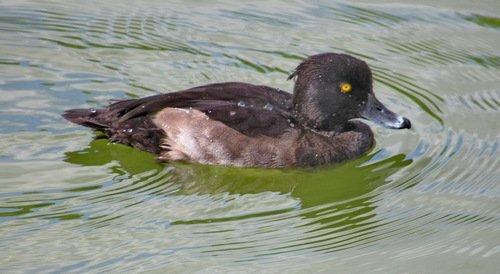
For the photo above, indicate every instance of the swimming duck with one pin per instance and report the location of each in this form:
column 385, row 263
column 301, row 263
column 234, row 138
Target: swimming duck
column 240, row 124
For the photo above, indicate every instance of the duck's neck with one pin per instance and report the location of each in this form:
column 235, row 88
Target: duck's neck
column 319, row 124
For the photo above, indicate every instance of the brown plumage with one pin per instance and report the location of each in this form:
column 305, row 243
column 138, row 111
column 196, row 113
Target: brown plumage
column 241, row 124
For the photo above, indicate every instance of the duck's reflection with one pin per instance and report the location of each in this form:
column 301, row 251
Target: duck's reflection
column 331, row 209
column 311, row 186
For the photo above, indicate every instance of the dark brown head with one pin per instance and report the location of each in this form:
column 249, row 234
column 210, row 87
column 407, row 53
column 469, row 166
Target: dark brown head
column 331, row 89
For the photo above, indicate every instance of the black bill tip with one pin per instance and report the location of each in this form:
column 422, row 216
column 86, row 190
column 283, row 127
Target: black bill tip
column 406, row 123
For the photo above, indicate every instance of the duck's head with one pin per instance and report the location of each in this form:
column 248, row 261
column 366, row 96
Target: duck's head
column 330, row 89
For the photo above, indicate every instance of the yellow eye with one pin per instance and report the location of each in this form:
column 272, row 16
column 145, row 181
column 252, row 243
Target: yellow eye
column 345, row 87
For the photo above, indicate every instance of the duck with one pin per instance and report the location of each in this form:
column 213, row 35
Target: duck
column 246, row 125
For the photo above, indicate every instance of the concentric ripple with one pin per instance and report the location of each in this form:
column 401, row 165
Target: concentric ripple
column 424, row 200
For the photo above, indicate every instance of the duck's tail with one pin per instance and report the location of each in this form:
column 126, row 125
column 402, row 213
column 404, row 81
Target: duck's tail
column 139, row 132
column 87, row 117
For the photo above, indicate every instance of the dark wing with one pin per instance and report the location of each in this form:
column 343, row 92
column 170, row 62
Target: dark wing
column 252, row 110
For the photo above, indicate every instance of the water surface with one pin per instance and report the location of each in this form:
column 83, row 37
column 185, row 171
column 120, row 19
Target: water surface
column 423, row 200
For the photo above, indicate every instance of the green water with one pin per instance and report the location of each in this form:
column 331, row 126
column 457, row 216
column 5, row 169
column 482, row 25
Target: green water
column 425, row 200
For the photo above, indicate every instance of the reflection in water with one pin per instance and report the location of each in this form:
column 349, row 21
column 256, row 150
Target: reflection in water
column 332, row 207
column 331, row 202
column 315, row 186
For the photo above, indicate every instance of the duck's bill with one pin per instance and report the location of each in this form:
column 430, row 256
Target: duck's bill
column 376, row 112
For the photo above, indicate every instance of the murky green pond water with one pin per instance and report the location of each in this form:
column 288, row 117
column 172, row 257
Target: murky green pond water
column 422, row 201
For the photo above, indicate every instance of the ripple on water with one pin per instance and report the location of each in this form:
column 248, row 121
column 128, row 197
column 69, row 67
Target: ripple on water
column 421, row 195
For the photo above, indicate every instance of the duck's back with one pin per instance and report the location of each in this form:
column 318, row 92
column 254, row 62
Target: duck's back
column 250, row 109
